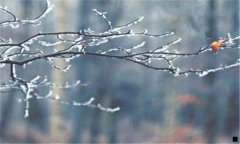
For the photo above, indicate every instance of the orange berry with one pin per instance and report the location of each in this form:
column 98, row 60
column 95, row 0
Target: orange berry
column 215, row 46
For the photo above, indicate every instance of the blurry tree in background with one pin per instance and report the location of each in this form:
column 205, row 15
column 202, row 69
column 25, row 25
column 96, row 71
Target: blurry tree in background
column 210, row 101
column 232, row 118
column 68, row 72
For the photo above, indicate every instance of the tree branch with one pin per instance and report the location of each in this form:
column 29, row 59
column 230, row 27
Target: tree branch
column 79, row 43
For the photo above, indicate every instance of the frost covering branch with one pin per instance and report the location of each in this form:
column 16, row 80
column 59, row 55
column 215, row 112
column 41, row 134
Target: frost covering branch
column 79, row 43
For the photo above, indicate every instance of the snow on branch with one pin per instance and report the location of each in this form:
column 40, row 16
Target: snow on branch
column 15, row 22
column 79, row 43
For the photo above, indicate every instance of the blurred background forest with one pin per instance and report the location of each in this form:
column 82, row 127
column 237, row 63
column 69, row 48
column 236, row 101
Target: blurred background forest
column 156, row 107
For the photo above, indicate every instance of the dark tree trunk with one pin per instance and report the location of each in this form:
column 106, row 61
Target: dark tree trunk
column 79, row 120
column 211, row 111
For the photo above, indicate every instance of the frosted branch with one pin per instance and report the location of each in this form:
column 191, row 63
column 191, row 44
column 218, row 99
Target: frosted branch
column 81, row 43
column 15, row 22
